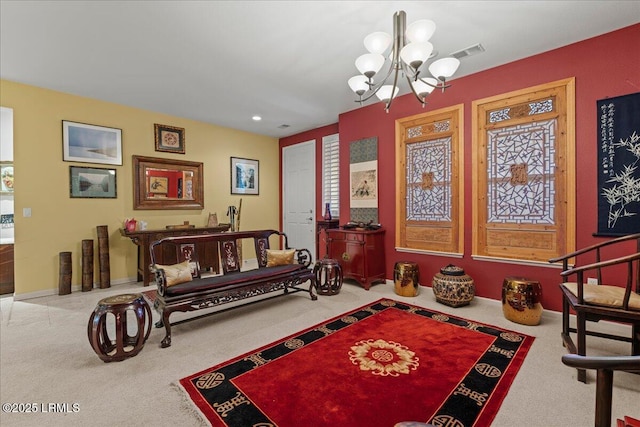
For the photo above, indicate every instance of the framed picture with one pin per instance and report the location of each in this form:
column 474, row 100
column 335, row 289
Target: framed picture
column 91, row 144
column 169, row 139
column 6, row 177
column 92, row 183
column 158, row 185
column 245, row 176
column 363, row 183
column 617, row 166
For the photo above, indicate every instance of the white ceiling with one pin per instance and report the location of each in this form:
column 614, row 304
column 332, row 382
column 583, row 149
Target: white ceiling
column 289, row 61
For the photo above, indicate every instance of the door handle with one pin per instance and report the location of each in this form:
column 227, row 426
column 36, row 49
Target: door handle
column 310, row 218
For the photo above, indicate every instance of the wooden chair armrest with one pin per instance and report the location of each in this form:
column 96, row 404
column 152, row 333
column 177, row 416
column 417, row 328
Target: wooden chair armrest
column 303, row 256
column 601, row 264
column 160, row 279
column 613, row 363
column 594, row 247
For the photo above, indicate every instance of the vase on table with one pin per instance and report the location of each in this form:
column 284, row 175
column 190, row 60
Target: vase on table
column 327, row 212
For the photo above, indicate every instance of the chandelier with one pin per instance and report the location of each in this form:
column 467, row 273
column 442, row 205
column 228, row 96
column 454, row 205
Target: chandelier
column 406, row 59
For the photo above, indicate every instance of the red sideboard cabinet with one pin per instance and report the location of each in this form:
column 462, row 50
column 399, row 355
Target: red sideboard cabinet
column 360, row 254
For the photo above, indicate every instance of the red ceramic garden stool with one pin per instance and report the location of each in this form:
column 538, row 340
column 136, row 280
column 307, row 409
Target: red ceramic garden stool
column 328, row 274
column 123, row 345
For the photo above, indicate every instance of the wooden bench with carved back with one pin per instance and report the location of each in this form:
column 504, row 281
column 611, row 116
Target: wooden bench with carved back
column 182, row 287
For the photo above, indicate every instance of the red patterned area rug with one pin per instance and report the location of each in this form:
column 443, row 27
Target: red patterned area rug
column 375, row 366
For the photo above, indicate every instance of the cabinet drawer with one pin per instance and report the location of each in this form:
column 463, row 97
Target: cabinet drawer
column 355, row 236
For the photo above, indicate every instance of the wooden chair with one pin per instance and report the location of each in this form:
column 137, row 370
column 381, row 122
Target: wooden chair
column 617, row 301
column 604, row 379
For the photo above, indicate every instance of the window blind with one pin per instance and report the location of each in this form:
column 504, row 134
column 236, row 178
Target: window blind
column 331, row 173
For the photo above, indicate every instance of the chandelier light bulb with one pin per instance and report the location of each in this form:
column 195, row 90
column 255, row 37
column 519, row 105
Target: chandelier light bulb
column 423, row 89
column 377, row 42
column 415, row 54
column 369, row 64
column 444, row 68
column 358, row 84
column 420, row 31
column 384, row 93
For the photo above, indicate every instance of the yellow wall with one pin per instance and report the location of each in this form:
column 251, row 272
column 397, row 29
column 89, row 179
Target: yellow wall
column 59, row 223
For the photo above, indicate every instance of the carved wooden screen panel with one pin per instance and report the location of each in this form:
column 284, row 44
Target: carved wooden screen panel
column 429, row 208
column 523, row 169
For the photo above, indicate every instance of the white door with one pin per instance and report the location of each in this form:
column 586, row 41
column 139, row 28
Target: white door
column 299, row 195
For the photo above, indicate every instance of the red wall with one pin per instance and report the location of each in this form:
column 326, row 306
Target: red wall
column 603, row 67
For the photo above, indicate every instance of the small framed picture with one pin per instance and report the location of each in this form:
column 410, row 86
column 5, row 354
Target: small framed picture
column 169, row 139
column 245, row 176
column 158, row 185
column 91, row 144
column 6, row 176
column 92, row 183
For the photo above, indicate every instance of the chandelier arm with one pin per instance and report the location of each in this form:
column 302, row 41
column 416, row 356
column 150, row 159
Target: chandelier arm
column 410, row 72
column 422, row 100
column 393, row 89
column 438, row 86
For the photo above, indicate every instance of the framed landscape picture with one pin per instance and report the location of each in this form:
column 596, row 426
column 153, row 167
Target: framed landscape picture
column 169, row 139
column 92, row 183
column 91, row 144
column 245, row 176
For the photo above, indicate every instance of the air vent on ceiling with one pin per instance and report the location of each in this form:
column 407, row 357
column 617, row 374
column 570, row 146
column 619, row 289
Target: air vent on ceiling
column 471, row 50
column 283, row 126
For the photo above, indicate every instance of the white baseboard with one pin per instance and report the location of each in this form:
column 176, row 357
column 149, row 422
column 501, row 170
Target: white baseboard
column 74, row 288
column 247, row 264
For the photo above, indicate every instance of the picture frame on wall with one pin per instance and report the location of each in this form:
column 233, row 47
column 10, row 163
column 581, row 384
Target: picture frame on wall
column 6, row 177
column 169, row 139
column 245, row 176
column 87, row 143
column 363, row 184
column 618, row 143
column 92, row 183
column 158, row 185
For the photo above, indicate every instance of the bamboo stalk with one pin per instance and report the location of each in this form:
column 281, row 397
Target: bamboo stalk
column 64, row 280
column 103, row 256
column 87, row 265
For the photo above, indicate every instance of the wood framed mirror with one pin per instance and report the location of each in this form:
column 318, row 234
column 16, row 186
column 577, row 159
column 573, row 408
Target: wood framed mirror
column 167, row 184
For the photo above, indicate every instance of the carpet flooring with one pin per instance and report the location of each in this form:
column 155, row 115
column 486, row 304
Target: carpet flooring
column 45, row 358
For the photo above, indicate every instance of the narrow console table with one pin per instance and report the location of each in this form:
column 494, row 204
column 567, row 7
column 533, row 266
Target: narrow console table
column 359, row 253
column 207, row 253
column 320, row 226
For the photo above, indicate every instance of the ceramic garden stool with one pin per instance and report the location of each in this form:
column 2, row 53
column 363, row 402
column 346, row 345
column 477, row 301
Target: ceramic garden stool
column 328, row 274
column 124, row 345
column 521, row 300
column 452, row 287
column 406, row 278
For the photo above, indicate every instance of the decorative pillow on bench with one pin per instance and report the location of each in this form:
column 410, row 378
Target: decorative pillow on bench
column 280, row 257
column 177, row 273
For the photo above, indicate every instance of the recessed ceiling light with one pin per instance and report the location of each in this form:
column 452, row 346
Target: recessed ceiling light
column 256, row 118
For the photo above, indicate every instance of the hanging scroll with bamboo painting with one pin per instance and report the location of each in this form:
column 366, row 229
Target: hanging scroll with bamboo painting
column 619, row 165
